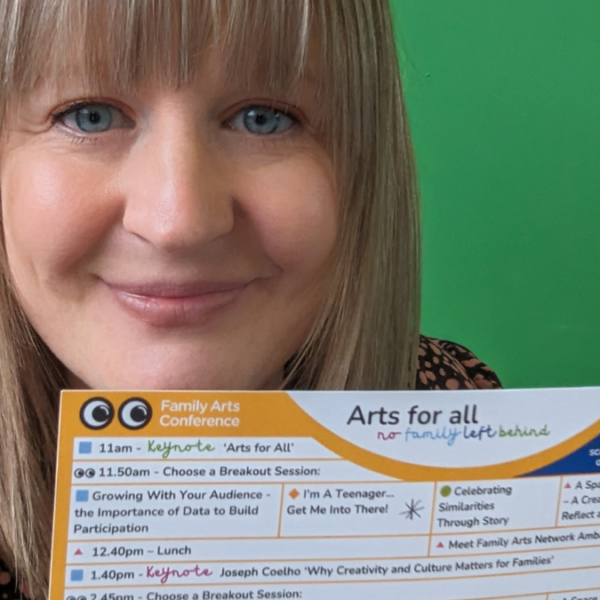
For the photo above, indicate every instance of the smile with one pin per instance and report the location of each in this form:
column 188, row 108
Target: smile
column 175, row 304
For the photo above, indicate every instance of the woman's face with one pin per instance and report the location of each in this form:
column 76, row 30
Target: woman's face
column 169, row 238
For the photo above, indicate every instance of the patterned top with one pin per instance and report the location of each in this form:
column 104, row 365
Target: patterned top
column 448, row 366
column 442, row 366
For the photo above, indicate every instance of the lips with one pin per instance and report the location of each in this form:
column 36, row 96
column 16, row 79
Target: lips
column 176, row 304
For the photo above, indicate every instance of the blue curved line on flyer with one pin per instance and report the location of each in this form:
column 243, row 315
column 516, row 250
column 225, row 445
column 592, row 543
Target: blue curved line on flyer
column 584, row 460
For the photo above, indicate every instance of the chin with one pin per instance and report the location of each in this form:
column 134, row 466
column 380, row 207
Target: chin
column 172, row 373
column 169, row 381
column 180, row 381
column 146, row 381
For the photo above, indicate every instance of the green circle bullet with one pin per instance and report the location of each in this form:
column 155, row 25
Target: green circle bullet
column 446, row 491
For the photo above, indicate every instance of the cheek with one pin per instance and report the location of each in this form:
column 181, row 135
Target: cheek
column 294, row 208
column 53, row 214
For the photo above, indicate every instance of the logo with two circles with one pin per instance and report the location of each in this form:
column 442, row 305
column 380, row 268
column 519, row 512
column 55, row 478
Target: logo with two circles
column 98, row 413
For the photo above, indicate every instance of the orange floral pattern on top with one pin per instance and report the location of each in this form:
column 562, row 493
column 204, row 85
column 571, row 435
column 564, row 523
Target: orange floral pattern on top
column 445, row 365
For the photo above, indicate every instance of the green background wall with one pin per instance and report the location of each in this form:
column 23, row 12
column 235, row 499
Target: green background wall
column 504, row 102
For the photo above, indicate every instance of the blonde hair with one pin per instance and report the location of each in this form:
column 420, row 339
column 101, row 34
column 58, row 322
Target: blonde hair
column 367, row 335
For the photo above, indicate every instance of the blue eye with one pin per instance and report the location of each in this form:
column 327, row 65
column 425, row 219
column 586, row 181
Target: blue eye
column 93, row 118
column 262, row 120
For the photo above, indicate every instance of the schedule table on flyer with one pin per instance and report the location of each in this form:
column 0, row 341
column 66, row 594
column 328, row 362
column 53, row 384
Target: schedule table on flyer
column 320, row 495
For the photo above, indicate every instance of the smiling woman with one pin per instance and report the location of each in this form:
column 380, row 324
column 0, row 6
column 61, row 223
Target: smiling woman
column 169, row 206
column 197, row 194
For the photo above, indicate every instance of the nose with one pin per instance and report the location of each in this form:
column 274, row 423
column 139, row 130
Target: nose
column 176, row 193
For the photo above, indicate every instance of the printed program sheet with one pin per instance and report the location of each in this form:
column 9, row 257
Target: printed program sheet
column 328, row 495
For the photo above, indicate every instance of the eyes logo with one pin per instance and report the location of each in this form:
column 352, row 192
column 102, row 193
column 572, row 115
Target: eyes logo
column 97, row 413
column 135, row 413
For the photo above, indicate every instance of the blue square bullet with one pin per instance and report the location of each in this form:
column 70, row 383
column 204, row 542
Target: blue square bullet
column 85, row 447
column 77, row 575
column 82, row 496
